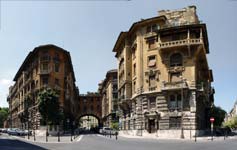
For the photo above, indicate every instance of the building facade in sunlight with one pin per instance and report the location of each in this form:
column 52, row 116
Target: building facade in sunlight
column 164, row 81
column 45, row 66
column 108, row 89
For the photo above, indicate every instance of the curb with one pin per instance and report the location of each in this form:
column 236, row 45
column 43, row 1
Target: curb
column 77, row 139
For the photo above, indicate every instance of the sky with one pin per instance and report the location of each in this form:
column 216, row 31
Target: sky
column 89, row 29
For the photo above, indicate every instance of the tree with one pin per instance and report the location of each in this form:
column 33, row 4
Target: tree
column 49, row 107
column 231, row 123
column 3, row 116
column 219, row 114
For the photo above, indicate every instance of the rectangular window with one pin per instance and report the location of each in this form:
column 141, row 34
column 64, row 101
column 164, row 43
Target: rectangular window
column 152, row 102
column 152, row 82
column 115, row 87
column 152, row 61
column 44, row 66
column 175, row 122
column 134, row 52
column 115, row 96
column 56, row 67
column 175, row 102
column 57, row 81
column 152, row 28
column 45, row 58
column 45, row 80
column 134, row 87
column 134, row 69
column 56, row 57
column 151, row 43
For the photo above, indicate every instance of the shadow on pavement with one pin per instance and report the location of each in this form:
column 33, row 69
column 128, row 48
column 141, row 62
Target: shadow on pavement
column 11, row 144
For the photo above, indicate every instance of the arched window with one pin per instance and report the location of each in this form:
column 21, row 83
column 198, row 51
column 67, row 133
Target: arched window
column 176, row 59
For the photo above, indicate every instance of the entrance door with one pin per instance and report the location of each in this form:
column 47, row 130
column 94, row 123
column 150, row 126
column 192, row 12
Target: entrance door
column 151, row 125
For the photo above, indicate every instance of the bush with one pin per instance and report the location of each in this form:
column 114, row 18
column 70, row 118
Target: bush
column 115, row 125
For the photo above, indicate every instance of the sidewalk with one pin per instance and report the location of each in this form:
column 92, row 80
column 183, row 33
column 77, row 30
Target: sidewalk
column 51, row 139
column 155, row 136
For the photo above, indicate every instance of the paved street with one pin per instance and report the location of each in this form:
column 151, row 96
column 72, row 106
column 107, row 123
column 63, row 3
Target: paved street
column 93, row 142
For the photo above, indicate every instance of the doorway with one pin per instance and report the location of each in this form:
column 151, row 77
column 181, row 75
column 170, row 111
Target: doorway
column 151, row 126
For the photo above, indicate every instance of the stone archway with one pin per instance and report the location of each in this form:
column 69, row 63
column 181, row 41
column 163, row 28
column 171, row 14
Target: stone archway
column 90, row 117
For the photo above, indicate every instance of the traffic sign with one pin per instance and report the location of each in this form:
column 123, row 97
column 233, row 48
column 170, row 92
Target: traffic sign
column 212, row 119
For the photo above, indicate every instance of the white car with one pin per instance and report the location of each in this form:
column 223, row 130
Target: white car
column 107, row 130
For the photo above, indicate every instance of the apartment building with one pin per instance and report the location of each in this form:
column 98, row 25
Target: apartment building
column 109, row 92
column 164, row 81
column 47, row 66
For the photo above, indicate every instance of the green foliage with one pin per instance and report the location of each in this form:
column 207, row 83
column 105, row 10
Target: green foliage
column 232, row 123
column 115, row 125
column 49, row 107
column 3, row 116
column 219, row 114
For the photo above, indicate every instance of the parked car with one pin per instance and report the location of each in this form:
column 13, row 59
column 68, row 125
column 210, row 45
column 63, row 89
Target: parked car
column 4, row 130
column 12, row 131
column 100, row 130
column 107, row 130
column 26, row 132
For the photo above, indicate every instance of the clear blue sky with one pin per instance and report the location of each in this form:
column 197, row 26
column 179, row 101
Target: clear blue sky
column 89, row 30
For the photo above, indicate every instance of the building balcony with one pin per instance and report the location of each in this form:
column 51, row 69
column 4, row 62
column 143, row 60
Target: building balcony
column 178, row 43
column 170, row 25
column 173, row 85
column 115, row 81
column 45, row 58
column 44, row 72
column 150, row 35
column 152, row 88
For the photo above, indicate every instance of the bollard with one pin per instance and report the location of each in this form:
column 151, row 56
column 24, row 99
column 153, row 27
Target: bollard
column 212, row 134
column 58, row 137
column 46, row 136
column 34, row 135
column 116, row 135
column 110, row 134
column 195, row 137
column 225, row 135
